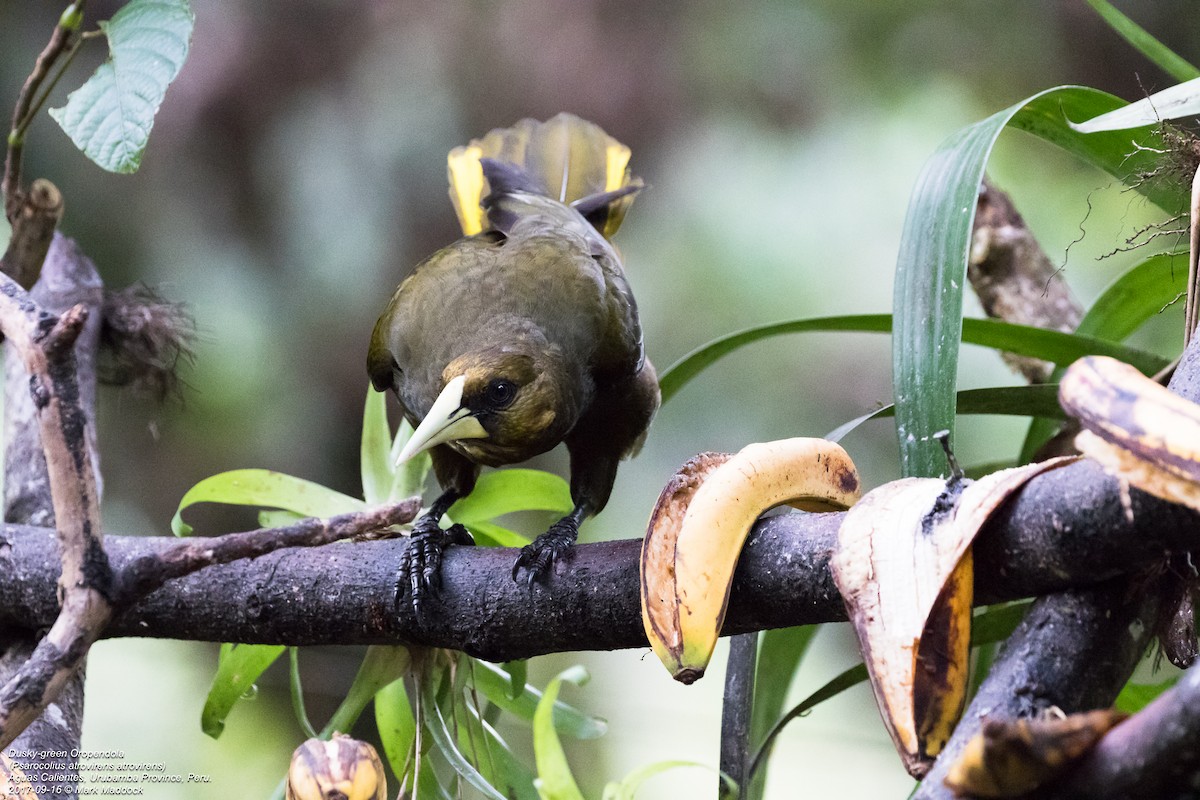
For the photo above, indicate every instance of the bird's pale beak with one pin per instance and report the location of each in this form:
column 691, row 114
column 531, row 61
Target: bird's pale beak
column 448, row 419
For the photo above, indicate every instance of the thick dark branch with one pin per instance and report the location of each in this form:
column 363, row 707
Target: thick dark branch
column 1066, row 528
column 1073, row 651
column 1160, row 740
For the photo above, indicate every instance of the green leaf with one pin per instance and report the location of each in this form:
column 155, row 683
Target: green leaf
column 264, row 487
column 851, row 677
column 932, row 263
column 507, row 772
column 435, row 723
column 1135, row 296
column 409, row 478
column 109, row 118
column 1023, row 340
column 297, row 691
column 518, row 673
column 375, row 452
column 554, row 781
column 1136, row 696
column 779, row 655
column 491, row 535
column 1180, row 100
column 505, row 491
column 1147, row 45
column 996, row 623
column 676, row 376
column 240, row 666
column 497, row 685
column 628, row 786
column 396, row 725
column 1040, row 400
column 381, row 666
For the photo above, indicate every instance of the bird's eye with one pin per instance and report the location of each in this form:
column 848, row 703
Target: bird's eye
column 500, row 393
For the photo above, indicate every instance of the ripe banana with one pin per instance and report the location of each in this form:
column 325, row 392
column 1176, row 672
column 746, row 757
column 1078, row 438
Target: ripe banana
column 699, row 524
column 341, row 767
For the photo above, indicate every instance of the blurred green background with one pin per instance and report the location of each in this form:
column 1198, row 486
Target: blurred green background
column 297, row 171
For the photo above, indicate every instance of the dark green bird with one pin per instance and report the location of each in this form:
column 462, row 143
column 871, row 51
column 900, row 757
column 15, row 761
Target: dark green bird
column 521, row 335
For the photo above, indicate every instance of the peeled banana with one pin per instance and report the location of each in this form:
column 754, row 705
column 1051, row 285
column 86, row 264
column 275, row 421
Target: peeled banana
column 700, row 523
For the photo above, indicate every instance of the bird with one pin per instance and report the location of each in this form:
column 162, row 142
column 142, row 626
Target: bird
column 521, row 335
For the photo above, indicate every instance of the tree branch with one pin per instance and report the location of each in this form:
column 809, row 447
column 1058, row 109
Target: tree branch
column 1065, row 528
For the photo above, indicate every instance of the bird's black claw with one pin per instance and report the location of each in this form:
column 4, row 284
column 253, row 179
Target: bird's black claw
column 539, row 556
column 420, row 571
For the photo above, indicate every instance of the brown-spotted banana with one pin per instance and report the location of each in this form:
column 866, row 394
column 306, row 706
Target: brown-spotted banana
column 340, row 767
column 700, row 523
column 1137, row 429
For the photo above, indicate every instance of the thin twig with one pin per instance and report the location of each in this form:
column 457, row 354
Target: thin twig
column 61, row 40
column 152, row 570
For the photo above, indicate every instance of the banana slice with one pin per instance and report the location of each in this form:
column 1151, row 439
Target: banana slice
column 700, row 523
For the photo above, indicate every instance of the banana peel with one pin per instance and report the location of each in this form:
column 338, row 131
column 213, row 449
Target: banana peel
column 340, row 767
column 699, row 524
column 1135, row 428
column 1012, row 757
column 905, row 572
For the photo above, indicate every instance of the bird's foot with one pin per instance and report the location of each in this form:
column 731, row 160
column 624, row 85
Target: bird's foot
column 539, row 556
column 420, row 572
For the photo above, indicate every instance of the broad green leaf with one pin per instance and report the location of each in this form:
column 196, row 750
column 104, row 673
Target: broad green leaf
column 396, row 725
column 779, row 655
column 435, row 723
column 554, row 781
column 1040, row 400
column 240, row 666
column 381, row 666
column 1023, row 340
column 495, row 684
column 264, row 487
column 409, row 478
column 1136, row 696
column 376, row 449
column 932, row 263
column 109, row 118
column 492, row 535
column 1146, row 44
column 274, row 518
column 627, row 787
column 1180, row 100
column 505, row 491
column 1138, row 294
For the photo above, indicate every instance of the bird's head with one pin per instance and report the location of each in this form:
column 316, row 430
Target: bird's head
column 501, row 405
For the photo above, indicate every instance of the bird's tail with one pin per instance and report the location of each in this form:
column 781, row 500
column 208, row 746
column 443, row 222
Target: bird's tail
column 565, row 157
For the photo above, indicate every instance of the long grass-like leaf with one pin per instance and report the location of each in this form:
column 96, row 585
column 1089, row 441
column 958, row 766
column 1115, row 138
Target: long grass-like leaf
column 931, row 266
column 1166, row 58
column 1025, row 340
column 779, row 655
column 1022, row 401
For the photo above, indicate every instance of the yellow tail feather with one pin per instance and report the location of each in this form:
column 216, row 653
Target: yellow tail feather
column 570, row 158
